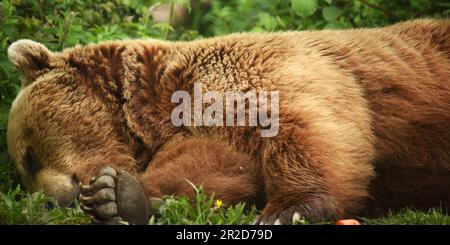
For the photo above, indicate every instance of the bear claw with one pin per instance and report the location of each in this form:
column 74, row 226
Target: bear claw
column 113, row 196
column 278, row 219
column 294, row 214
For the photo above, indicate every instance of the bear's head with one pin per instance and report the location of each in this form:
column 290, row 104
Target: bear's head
column 76, row 112
column 37, row 116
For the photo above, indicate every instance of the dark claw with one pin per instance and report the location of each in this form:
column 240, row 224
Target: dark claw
column 84, row 207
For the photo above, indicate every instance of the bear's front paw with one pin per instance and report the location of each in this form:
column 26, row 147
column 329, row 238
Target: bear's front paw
column 293, row 214
column 112, row 196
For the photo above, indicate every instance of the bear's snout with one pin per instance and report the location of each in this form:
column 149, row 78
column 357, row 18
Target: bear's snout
column 67, row 197
column 63, row 188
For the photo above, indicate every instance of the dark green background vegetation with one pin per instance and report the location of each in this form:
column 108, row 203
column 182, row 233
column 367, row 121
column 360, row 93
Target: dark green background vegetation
column 64, row 23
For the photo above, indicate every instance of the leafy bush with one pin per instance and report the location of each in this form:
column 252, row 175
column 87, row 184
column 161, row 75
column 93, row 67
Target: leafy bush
column 64, row 23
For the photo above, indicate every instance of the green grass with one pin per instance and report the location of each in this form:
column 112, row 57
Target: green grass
column 64, row 23
column 19, row 207
column 412, row 217
column 203, row 210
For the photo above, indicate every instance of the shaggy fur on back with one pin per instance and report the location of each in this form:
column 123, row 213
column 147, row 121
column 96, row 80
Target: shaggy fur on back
column 364, row 117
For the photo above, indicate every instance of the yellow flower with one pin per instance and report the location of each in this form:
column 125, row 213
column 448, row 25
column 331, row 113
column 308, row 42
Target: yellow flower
column 218, row 203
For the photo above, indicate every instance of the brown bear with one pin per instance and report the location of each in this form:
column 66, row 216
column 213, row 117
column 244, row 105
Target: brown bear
column 364, row 121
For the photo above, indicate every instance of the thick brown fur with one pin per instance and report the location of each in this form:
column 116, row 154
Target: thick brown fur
column 352, row 102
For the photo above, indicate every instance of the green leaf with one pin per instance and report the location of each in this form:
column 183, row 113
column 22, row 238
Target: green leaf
column 304, row 8
column 336, row 25
column 330, row 13
column 268, row 22
column 163, row 26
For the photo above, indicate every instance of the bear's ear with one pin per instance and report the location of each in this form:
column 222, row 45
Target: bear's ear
column 31, row 58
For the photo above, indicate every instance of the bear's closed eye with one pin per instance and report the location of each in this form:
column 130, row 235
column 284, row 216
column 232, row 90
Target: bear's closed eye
column 31, row 162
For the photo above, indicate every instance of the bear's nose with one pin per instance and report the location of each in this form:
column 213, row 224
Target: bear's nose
column 71, row 193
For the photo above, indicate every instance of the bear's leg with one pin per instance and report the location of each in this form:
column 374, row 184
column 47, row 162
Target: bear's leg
column 114, row 195
column 312, row 175
column 231, row 175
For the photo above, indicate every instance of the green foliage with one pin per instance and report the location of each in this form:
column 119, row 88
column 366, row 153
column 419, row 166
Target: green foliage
column 204, row 210
column 259, row 15
column 412, row 217
column 304, row 8
column 18, row 207
column 64, row 23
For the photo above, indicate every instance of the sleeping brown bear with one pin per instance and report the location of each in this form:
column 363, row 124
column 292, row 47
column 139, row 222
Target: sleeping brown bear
column 364, row 122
